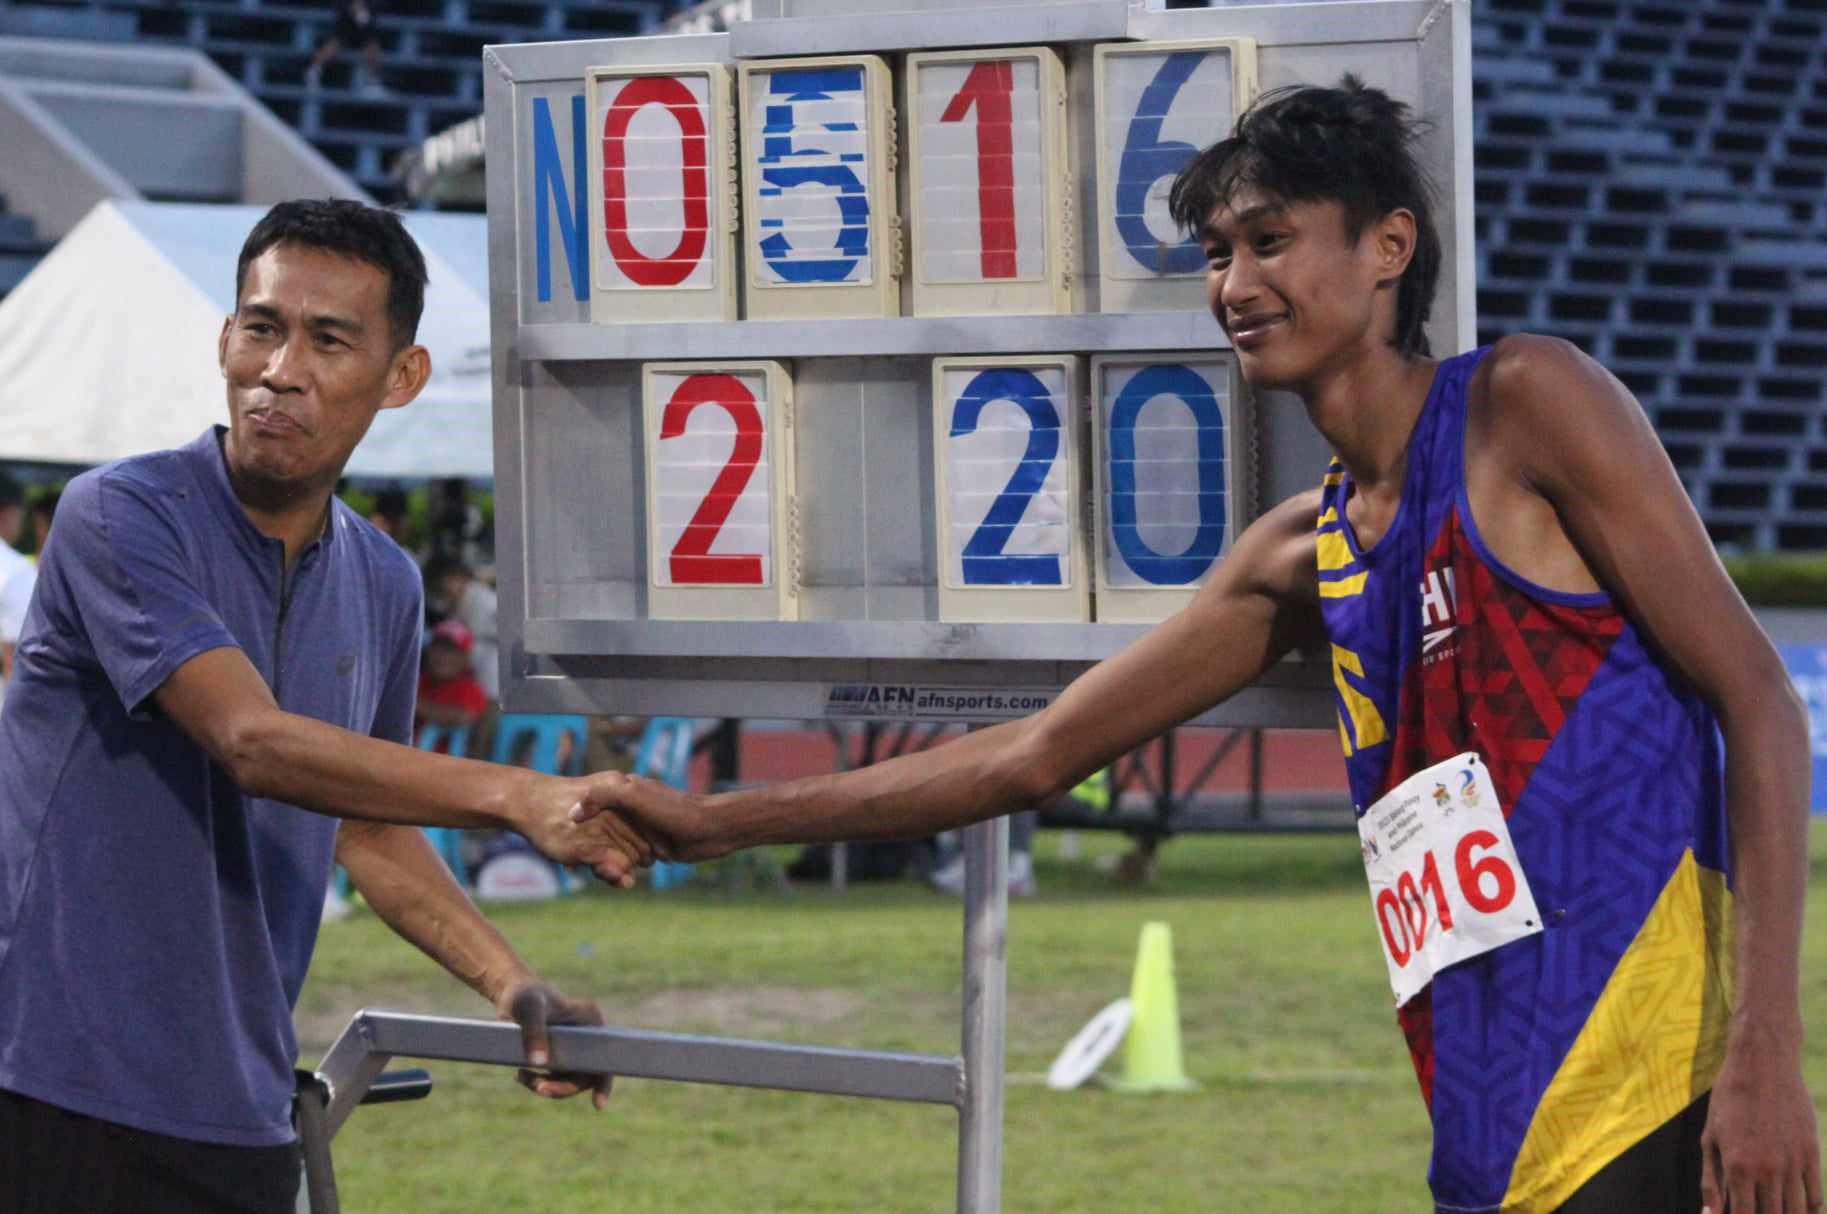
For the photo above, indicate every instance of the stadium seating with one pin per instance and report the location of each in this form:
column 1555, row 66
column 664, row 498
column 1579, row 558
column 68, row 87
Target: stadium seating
column 1652, row 185
column 431, row 49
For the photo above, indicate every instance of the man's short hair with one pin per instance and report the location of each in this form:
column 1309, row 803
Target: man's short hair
column 11, row 492
column 1354, row 145
column 354, row 230
column 443, row 565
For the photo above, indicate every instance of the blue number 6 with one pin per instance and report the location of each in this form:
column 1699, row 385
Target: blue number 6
column 985, row 563
column 1167, row 379
column 1147, row 159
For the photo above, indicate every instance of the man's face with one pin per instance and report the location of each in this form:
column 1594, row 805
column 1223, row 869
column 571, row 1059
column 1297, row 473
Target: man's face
column 309, row 358
column 1291, row 292
column 12, row 522
column 444, row 661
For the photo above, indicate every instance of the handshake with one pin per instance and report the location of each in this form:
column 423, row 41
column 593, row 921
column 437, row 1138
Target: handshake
column 616, row 824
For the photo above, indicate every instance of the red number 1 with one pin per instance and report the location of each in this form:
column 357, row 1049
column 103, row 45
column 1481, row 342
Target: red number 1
column 691, row 560
column 1430, row 882
column 988, row 88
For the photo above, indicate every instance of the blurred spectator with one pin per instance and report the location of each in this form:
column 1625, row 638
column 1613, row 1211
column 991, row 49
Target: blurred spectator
column 38, row 518
column 449, row 693
column 453, row 591
column 354, row 27
column 389, row 514
column 17, row 575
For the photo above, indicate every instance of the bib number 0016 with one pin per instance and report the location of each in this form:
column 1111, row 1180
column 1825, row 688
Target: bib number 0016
column 1445, row 883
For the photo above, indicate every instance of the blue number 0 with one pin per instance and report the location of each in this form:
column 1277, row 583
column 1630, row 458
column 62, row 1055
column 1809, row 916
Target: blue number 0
column 1147, row 159
column 777, row 147
column 1177, row 380
column 985, row 563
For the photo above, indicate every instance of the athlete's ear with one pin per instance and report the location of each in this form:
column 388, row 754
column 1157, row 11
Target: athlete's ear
column 1394, row 245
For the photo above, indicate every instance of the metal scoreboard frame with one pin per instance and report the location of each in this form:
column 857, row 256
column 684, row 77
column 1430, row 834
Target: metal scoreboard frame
column 860, row 556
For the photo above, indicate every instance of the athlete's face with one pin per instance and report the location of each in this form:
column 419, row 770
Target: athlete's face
column 310, row 358
column 1294, row 294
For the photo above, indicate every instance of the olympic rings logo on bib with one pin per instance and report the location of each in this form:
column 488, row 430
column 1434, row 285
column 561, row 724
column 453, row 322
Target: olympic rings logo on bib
column 1445, row 883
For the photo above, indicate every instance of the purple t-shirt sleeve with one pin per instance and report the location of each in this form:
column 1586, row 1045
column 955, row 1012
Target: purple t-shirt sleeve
column 126, row 575
column 399, row 698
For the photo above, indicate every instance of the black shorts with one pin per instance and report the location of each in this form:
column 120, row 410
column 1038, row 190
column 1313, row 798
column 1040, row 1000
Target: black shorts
column 1659, row 1175
column 53, row 1159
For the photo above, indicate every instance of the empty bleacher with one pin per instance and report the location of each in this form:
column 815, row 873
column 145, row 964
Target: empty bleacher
column 1651, row 180
column 431, row 49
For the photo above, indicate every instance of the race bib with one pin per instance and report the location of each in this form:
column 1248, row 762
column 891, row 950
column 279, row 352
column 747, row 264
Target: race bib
column 1445, row 884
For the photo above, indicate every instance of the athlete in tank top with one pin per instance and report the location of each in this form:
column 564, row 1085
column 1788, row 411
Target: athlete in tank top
column 1608, row 772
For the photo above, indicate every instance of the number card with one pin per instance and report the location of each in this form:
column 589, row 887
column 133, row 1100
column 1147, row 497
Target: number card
column 818, row 147
column 987, row 141
column 662, row 194
column 722, row 540
column 1158, row 105
column 1173, row 477
column 1004, row 439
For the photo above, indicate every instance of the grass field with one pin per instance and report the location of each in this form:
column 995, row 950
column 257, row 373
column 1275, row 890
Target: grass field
column 1307, row 1100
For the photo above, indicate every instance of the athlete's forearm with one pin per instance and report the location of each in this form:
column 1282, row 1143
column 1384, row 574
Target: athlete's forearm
column 1766, row 745
column 407, row 885
column 977, row 777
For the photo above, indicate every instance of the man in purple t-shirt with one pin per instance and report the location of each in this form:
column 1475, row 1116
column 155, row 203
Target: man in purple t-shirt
column 219, row 665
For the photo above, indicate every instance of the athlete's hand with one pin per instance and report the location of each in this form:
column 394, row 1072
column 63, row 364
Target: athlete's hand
column 678, row 824
column 567, row 820
column 1760, row 1151
column 533, row 1005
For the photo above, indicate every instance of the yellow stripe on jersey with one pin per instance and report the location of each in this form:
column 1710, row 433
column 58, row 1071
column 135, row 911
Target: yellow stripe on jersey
column 1651, row 1046
column 1367, row 728
column 1345, row 587
column 1332, row 550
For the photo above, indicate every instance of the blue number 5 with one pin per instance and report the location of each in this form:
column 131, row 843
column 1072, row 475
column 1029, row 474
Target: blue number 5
column 1167, row 379
column 1147, row 159
column 985, row 563
column 777, row 146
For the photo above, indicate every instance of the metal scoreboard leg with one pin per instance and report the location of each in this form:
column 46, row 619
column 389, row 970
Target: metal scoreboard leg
column 986, row 986
column 971, row 1083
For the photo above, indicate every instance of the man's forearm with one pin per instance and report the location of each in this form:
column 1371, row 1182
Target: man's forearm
column 306, row 762
column 1766, row 799
column 408, row 886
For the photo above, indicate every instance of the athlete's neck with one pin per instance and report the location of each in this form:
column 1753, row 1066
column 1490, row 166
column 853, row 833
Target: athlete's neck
column 1367, row 411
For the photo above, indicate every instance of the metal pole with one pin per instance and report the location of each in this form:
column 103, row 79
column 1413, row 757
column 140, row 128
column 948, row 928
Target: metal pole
column 986, row 918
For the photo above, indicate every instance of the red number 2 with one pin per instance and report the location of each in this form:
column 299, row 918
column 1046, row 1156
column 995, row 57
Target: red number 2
column 690, row 560
column 988, row 88
column 673, row 268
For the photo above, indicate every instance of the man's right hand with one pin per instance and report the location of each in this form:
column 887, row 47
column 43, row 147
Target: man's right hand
column 570, row 821
column 676, row 823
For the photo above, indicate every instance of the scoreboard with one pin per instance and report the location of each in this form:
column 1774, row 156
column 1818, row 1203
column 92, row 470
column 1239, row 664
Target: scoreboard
column 848, row 364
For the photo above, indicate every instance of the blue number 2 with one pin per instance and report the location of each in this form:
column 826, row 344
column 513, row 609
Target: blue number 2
column 985, row 563
column 1147, row 159
column 778, row 177
column 1177, row 380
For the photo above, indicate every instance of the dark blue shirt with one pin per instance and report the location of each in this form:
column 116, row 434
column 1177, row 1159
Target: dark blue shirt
column 156, row 922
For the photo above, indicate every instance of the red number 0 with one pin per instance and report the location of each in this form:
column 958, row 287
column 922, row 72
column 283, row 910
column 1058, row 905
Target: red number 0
column 672, row 269
column 691, row 560
column 988, row 88
column 1471, row 876
column 1400, row 950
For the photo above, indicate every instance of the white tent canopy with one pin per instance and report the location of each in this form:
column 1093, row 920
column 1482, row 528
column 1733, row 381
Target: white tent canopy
column 108, row 348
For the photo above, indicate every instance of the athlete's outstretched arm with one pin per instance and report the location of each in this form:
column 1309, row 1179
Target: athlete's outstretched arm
column 1259, row 604
column 1575, row 435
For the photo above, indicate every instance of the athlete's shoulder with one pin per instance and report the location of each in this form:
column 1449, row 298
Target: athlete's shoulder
column 1533, row 374
column 1275, row 554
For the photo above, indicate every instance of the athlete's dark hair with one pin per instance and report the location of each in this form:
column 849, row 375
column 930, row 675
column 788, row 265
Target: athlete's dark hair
column 1352, row 144
column 354, row 230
